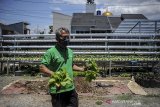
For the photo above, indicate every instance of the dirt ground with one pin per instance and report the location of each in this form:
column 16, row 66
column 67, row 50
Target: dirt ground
column 95, row 94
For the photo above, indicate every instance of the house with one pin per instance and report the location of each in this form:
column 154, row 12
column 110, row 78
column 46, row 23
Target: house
column 16, row 28
column 4, row 29
column 20, row 27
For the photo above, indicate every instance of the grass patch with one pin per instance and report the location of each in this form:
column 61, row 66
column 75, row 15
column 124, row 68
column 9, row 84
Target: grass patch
column 124, row 97
column 153, row 95
column 99, row 102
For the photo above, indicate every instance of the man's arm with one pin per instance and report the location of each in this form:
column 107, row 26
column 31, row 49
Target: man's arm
column 77, row 68
column 45, row 70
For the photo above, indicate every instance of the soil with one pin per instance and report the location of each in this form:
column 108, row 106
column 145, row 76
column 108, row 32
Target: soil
column 102, row 87
column 38, row 86
column 26, row 87
column 32, row 92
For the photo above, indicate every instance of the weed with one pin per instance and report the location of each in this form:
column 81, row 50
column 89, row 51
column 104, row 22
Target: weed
column 99, row 102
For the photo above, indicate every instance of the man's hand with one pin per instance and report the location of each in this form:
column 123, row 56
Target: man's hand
column 77, row 68
column 45, row 70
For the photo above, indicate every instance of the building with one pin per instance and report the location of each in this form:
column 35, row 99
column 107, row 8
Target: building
column 4, row 29
column 132, row 16
column 61, row 20
column 90, row 6
column 90, row 23
column 16, row 28
column 20, row 27
column 96, row 22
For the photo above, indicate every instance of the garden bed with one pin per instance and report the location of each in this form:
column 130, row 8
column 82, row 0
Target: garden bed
column 26, row 87
column 98, row 87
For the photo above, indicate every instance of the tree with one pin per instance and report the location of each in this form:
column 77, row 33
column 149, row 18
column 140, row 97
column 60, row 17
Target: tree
column 50, row 29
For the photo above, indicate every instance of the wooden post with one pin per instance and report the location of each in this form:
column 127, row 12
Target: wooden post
column 110, row 65
column 18, row 65
column 7, row 67
column 1, row 68
column 14, row 68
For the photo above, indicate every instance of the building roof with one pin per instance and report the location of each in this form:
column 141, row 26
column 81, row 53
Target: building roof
column 115, row 21
column 89, row 19
column 132, row 16
column 102, row 22
column 96, row 22
column 25, row 23
column 83, row 19
column 60, row 14
column 5, row 27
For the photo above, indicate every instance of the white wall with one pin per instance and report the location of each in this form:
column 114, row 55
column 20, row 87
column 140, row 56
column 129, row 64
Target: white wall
column 61, row 20
column 91, row 8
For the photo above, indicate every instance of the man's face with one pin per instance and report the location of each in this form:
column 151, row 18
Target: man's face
column 63, row 39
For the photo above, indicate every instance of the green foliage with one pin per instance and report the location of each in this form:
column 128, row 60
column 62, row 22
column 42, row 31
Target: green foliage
column 99, row 102
column 125, row 75
column 91, row 75
column 153, row 95
column 60, row 79
column 91, row 65
column 92, row 70
column 116, row 57
column 79, row 74
column 124, row 97
column 146, row 75
column 94, row 57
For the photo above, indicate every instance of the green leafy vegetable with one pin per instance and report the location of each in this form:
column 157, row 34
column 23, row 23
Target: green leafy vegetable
column 60, row 79
column 92, row 70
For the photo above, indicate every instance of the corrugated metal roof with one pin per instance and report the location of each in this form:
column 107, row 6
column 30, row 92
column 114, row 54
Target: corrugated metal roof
column 138, row 26
column 132, row 16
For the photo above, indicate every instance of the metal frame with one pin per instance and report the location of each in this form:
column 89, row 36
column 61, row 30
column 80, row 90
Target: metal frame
column 81, row 44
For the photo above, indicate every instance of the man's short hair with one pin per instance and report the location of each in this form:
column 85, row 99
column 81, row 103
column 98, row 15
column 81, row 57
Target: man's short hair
column 60, row 32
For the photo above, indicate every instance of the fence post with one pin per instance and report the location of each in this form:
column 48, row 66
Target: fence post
column 110, row 65
column 7, row 67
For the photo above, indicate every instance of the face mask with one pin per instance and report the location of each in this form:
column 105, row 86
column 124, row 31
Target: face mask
column 65, row 42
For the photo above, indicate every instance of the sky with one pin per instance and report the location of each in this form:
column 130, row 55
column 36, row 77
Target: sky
column 38, row 13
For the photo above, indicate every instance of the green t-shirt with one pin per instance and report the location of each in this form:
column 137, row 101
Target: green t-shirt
column 56, row 58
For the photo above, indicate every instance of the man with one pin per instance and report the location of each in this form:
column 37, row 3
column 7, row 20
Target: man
column 53, row 60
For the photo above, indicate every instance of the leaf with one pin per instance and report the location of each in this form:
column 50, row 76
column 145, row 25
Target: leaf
column 63, row 84
column 60, row 79
column 57, row 84
column 92, row 72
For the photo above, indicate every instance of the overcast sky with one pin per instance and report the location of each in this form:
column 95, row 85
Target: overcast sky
column 39, row 12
